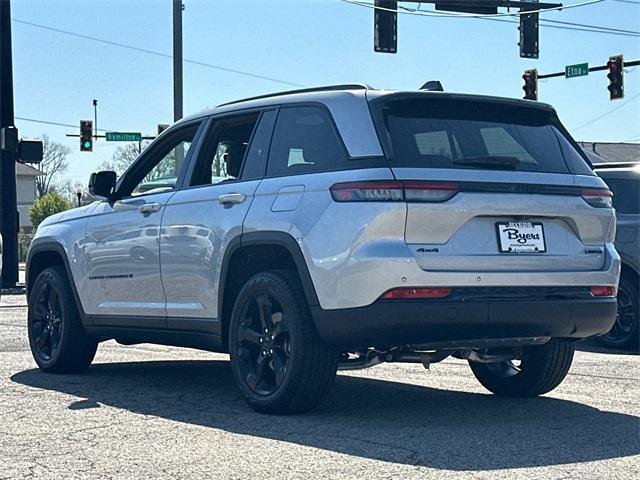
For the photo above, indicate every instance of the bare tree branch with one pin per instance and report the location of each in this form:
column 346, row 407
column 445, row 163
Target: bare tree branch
column 54, row 162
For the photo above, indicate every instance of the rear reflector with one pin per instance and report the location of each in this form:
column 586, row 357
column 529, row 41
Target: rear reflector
column 603, row 291
column 394, row 191
column 413, row 293
column 597, row 198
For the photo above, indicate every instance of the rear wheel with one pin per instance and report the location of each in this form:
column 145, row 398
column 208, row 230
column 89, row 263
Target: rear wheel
column 279, row 363
column 58, row 341
column 540, row 370
column 625, row 333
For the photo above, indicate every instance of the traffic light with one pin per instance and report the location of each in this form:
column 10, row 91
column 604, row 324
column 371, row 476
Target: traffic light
column 616, row 77
column 530, row 88
column 385, row 25
column 162, row 127
column 86, row 136
column 529, row 34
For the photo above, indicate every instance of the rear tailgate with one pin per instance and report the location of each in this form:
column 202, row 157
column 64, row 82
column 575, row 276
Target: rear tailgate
column 521, row 197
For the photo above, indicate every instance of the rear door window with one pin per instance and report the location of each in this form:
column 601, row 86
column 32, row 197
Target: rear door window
column 462, row 133
column 304, row 141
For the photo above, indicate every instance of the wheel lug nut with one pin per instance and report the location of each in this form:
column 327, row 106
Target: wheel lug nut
column 264, row 352
column 271, row 351
column 260, row 340
column 266, row 330
column 273, row 337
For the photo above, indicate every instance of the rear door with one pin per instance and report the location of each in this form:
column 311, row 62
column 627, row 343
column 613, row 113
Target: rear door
column 493, row 186
column 200, row 221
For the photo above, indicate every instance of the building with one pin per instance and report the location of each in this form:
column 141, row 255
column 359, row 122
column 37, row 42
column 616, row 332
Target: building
column 26, row 193
column 614, row 152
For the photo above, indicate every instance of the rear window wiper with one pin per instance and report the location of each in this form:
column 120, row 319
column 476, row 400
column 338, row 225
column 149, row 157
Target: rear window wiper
column 491, row 161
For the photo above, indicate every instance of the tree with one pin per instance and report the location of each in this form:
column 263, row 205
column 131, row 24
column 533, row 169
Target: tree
column 69, row 190
column 124, row 156
column 54, row 162
column 46, row 206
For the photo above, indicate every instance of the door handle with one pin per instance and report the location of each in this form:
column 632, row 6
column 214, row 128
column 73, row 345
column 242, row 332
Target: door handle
column 148, row 208
column 231, row 198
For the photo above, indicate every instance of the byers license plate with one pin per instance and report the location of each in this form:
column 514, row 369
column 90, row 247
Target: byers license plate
column 521, row 237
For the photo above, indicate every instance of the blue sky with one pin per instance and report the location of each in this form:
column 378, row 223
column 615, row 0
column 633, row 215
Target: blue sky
column 305, row 42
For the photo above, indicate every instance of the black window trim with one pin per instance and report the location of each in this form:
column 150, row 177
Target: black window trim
column 352, row 163
column 211, row 121
column 147, row 157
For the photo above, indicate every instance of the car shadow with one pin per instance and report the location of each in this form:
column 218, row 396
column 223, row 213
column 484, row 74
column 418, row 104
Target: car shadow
column 593, row 346
column 375, row 419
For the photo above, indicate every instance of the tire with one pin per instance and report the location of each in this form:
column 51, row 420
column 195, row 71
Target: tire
column 58, row 341
column 287, row 368
column 625, row 333
column 541, row 370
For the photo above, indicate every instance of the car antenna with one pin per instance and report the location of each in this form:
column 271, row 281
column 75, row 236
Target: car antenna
column 432, row 86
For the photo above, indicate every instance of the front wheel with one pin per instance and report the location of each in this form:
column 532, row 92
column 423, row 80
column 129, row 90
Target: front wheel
column 58, row 341
column 278, row 360
column 540, row 370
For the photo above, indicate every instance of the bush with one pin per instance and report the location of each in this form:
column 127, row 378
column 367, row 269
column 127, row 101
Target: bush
column 46, row 206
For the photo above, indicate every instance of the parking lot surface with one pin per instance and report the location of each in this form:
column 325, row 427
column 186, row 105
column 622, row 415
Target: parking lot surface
column 149, row 411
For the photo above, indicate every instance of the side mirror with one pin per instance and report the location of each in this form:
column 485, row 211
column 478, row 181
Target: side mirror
column 102, row 184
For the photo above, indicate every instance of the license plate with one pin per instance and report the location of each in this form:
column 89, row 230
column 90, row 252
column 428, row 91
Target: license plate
column 521, row 237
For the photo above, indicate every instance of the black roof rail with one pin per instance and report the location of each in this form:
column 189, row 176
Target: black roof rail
column 615, row 164
column 327, row 88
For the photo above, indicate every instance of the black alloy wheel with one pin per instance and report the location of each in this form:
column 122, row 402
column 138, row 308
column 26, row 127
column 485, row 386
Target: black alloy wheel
column 278, row 360
column 58, row 340
column 47, row 324
column 263, row 343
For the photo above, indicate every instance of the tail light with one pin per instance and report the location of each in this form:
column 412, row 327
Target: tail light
column 597, row 198
column 410, row 293
column 394, row 191
column 603, row 291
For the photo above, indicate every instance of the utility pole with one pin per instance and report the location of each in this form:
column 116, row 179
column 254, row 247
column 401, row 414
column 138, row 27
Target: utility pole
column 177, row 60
column 8, row 201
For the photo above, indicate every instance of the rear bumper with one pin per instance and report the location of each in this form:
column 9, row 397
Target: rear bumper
column 463, row 319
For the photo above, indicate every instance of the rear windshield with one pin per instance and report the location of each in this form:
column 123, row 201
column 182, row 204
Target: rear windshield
column 456, row 133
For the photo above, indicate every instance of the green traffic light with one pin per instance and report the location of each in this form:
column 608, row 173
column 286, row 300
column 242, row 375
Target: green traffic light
column 87, row 144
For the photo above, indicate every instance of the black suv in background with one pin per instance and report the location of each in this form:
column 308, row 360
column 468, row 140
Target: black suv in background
column 624, row 181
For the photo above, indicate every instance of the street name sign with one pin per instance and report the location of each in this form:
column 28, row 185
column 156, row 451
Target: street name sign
column 123, row 136
column 577, row 70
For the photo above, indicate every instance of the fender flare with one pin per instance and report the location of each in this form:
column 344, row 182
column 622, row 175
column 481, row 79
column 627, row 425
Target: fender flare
column 268, row 238
column 50, row 246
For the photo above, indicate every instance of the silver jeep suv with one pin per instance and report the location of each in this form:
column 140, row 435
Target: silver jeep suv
column 339, row 227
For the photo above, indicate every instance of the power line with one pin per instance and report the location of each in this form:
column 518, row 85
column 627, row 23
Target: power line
column 604, row 32
column 607, row 113
column 627, row 1
column 46, row 122
column 156, row 53
column 423, row 13
column 588, row 28
column 591, row 26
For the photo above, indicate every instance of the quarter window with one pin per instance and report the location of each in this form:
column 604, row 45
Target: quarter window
column 304, row 141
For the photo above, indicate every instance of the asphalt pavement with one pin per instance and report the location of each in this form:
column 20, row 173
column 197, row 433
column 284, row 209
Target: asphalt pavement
column 157, row 412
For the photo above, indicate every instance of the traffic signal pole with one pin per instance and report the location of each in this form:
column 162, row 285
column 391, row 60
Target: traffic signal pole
column 177, row 60
column 8, row 201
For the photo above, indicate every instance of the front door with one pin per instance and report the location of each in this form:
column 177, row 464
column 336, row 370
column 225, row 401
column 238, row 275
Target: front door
column 201, row 220
column 122, row 239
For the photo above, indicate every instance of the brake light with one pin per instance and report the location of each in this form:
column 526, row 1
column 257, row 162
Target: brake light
column 597, row 198
column 603, row 291
column 409, row 293
column 394, row 191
